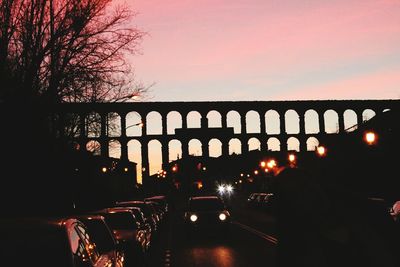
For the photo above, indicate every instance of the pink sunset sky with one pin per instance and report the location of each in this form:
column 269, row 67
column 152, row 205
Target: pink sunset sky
column 269, row 49
column 204, row 50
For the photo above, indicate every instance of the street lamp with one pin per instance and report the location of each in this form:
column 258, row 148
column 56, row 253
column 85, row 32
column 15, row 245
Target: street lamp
column 370, row 137
column 321, row 151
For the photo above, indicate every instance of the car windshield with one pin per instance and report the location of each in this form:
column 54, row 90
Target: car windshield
column 120, row 221
column 206, row 204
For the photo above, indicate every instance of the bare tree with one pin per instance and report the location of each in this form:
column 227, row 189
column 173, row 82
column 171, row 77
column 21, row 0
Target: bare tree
column 54, row 51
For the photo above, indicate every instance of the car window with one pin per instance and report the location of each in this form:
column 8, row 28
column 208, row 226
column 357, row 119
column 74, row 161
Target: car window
column 138, row 215
column 88, row 244
column 101, row 235
column 120, row 221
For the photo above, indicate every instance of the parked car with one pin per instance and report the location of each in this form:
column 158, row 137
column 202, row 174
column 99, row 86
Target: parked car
column 256, row 199
column 49, row 242
column 103, row 238
column 206, row 212
column 161, row 199
column 157, row 208
column 127, row 232
column 148, row 211
column 143, row 226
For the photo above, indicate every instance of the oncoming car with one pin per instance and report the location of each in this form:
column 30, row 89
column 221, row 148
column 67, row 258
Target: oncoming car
column 207, row 212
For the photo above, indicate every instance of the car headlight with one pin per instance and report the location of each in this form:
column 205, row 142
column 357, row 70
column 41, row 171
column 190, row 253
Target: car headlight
column 222, row 216
column 193, row 217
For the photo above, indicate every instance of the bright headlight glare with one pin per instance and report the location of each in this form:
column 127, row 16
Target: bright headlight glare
column 222, row 216
column 193, row 217
column 221, row 188
column 229, row 188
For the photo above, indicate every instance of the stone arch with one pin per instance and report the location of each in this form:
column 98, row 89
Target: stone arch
column 292, row 125
column 193, row 119
column 154, row 123
column 368, row 114
column 135, row 155
column 293, row 144
column 233, row 119
column 155, row 156
column 113, row 124
column 254, row 144
column 274, row 144
column 331, row 120
column 252, row 122
column 195, row 147
column 235, row 146
column 94, row 147
column 350, row 120
column 175, row 149
column 214, row 119
column 93, row 125
column 272, row 122
column 311, row 122
column 174, row 121
column 215, row 148
column 114, row 148
column 312, row 143
column 133, row 126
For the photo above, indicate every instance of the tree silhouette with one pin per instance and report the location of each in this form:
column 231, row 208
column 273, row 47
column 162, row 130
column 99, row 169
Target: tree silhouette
column 54, row 51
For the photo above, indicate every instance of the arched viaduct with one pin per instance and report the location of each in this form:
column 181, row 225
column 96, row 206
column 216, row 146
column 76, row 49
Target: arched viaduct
column 300, row 111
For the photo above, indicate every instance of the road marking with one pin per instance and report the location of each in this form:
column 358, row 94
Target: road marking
column 258, row 233
column 167, row 258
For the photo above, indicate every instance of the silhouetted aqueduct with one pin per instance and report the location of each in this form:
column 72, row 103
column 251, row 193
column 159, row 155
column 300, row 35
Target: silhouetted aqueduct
column 292, row 118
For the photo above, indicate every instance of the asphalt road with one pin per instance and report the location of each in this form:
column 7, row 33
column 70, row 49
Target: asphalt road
column 250, row 241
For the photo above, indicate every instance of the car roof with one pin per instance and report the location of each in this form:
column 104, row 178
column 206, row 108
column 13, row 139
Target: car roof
column 156, row 197
column 89, row 217
column 130, row 202
column 204, row 197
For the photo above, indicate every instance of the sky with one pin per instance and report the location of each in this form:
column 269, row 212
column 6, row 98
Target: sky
column 203, row 50
column 216, row 50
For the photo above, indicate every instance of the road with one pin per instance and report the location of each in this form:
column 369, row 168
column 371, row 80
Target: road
column 250, row 241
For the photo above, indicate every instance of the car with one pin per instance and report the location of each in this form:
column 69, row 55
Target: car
column 103, row 237
column 127, row 232
column 49, row 242
column 207, row 212
column 161, row 199
column 256, row 199
column 142, row 224
column 158, row 209
column 148, row 211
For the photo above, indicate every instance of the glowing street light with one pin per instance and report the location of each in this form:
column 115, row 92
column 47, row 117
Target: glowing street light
column 321, row 151
column 104, row 169
column 370, row 137
column 256, row 172
column 271, row 163
column 262, row 164
column 292, row 158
